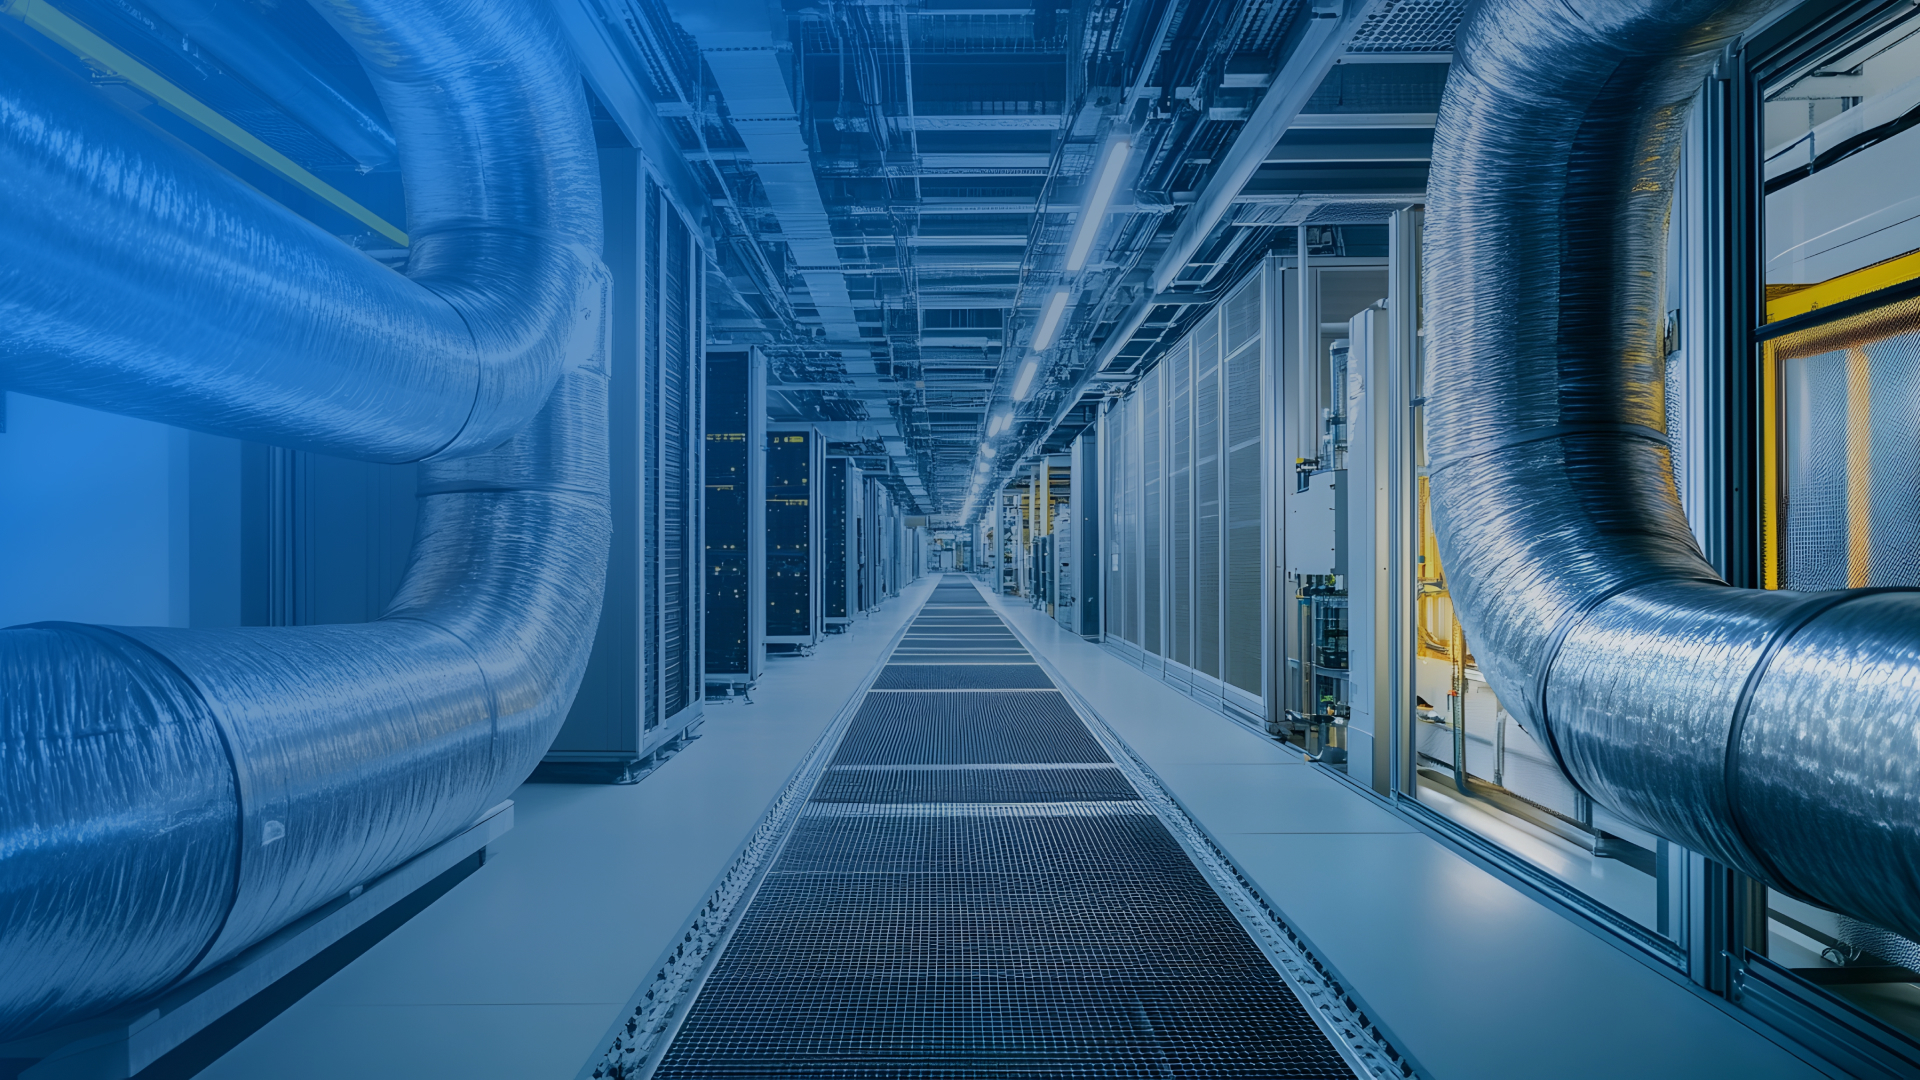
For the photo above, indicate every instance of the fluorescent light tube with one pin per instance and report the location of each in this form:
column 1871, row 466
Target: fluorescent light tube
column 1023, row 383
column 1049, row 322
column 1095, row 212
column 987, row 452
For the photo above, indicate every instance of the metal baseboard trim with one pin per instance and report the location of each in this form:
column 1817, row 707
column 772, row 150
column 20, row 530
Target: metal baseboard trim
column 189, row 1027
column 644, row 1028
column 1369, row 1047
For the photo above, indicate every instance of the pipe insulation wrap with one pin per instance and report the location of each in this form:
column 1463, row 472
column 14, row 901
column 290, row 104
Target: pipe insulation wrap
column 170, row 796
column 136, row 280
column 1777, row 732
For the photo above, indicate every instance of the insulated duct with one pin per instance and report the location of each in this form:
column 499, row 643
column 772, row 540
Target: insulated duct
column 122, row 254
column 1777, row 732
column 168, row 797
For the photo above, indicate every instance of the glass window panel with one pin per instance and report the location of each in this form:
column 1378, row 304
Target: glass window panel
column 1840, row 150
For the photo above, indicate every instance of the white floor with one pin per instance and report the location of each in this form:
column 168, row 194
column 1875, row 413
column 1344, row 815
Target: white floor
column 520, row 969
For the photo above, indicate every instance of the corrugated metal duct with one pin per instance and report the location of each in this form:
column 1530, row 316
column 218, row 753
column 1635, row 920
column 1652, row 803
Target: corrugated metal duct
column 168, row 797
column 1778, row 732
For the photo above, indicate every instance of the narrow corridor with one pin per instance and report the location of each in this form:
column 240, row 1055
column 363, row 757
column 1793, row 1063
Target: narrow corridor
column 976, row 889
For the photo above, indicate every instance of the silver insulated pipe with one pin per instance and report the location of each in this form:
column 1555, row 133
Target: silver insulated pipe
column 168, row 797
column 1777, row 732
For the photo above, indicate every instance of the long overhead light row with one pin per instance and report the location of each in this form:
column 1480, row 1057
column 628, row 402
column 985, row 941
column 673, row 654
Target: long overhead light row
column 1086, row 230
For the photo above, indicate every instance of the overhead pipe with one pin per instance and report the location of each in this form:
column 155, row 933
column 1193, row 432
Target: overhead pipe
column 1776, row 732
column 1328, row 26
column 170, row 796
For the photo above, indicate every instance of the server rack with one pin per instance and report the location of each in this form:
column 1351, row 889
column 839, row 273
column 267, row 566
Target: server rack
column 840, row 560
column 896, row 548
column 644, row 683
column 870, row 581
column 736, row 515
column 895, row 531
column 1079, row 556
column 880, row 552
column 795, row 459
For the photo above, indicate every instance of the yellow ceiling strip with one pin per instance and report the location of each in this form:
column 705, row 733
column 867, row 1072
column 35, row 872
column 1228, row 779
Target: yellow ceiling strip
column 95, row 50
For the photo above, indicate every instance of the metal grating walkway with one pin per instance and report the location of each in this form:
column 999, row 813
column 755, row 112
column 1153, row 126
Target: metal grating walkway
column 974, row 889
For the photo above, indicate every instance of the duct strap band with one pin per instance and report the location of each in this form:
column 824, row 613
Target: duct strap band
column 1550, row 655
column 218, row 723
column 1792, row 622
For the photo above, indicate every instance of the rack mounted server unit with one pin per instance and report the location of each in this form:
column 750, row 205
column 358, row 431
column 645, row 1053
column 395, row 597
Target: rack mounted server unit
column 796, row 462
column 736, row 580
column 840, row 562
column 644, row 685
column 876, row 506
column 1078, row 555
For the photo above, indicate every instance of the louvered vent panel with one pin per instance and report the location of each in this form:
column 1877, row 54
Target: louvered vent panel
column 1243, row 316
column 1245, row 593
column 1130, row 555
column 1206, row 495
column 676, row 524
column 1179, row 365
column 1116, row 602
column 1150, row 424
column 650, row 459
column 697, row 481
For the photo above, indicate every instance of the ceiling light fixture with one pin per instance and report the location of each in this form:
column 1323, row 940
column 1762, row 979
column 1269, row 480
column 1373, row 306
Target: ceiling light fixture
column 999, row 422
column 1023, row 384
column 1096, row 209
column 987, row 452
column 1049, row 322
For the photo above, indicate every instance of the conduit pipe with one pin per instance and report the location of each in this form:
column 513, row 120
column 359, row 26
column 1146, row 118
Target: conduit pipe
column 1777, row 732
column 167, row 796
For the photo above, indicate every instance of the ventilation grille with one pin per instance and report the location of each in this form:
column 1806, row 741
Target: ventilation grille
column 954, row 729
column 1180, row 494
column 1206, row 495
column 967, row 677
column 1245, row 589
column 1150, row 454
column 676, row 471
column 1409, row 26
column 969, row 785
column 650, row 494
column 1114, row 617
column 934, row 916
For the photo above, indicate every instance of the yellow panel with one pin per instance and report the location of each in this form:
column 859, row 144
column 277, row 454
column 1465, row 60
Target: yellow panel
column 1786, row 301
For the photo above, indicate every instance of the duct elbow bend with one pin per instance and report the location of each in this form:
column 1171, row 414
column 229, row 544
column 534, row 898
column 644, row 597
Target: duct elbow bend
column 168, row 797
column 1776, row 732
